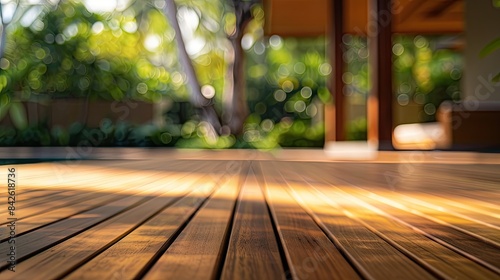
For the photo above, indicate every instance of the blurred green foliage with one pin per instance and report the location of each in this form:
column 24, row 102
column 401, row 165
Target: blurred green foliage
column 427, row 72
column 72, row 52
column 68, row 51
column 286, row 90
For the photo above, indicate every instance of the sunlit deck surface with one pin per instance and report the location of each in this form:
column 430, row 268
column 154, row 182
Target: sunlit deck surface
column 165, row 214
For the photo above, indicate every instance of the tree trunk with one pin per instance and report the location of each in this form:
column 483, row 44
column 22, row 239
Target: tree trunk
column 204, row 106
column 235, row 106
column 234, row 100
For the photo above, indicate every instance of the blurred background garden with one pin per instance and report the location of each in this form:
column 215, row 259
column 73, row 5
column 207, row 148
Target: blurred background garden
column 246, row 90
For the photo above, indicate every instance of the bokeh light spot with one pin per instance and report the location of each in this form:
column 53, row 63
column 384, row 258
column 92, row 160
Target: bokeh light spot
column 142, row 88
column 312, row 110
column 398, row 49
column 152, row 42
column 247, row 41
column 456, row 74
column 325, row 69
column 403, row 99
column 276, row 42
column 208, row 91
column 430, row 109
column 279, row 95
column 260, row 108
column 267, row 125
column 306, row 92
column 300, row 106
column 299, row 68
column 420, row 42
column 97, row 27
column 287, row 86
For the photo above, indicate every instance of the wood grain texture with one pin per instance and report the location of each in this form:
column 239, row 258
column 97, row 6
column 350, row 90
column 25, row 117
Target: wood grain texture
column 51, row 234
column 467, row 246
column 93, row 200
column 310, row 254
column 373, row 256
column 56, row 214
column 53, row 203
column 181, row 215
column 439, row 259
column 196, row 253
column 73, row 252
column 253, row 252
column 41, row 239
column 126, row 258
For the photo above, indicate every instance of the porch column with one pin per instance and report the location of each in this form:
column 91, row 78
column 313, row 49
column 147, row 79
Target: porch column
column 336, row 52
column 380, row 120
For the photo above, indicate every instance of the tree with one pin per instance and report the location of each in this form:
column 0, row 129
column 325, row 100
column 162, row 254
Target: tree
column 19, row 8
column 86, row 63
column 235, row 102
column 204, row 105
column 234, row 109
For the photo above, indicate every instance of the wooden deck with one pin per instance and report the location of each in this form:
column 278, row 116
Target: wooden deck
column 255, row 215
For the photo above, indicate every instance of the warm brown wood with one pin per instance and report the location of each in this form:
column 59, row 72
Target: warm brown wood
column 65, row 256
column 474, row 247
column 129, row 256
column 41, row 239
column 28, row 203
column 309, row 252
column 470, row 246
column 441, row 260
column 52, row 233
column 372, row 255
column 198, row 251
column 310, row 18
column 55, row 214
column 253, row 252
column 73, row 202
column 477, row 228
column 380, row 62
column 53, row 203
column 34, row 195
column 404, row 215
column 336, row 46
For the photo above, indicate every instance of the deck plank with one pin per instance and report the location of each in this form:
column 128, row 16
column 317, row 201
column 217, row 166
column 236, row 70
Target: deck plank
column 46, row 236
column 95, row 199
column 34, row 242
column 373, row 257
column 482, row 230
column 128, row 257
column 71, row 253
column 442, row 261
column 433, row 210
column 57, row 214
column 253, row 251
column 54, row 202
column 196, row 253
column 418, row 190
column 469, row 246
column 309, row 252
column 253, row 215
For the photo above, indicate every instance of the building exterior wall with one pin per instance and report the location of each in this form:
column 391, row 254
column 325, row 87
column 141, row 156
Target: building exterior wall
column 66, row 111
column 482, row 20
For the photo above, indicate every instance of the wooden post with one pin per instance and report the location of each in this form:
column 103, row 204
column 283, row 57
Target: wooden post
column 337, row 62
column 380, row 120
